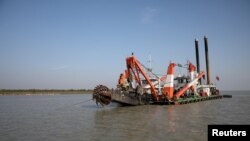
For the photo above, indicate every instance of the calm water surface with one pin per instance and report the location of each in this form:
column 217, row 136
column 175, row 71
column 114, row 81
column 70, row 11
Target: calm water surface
column 67, row 118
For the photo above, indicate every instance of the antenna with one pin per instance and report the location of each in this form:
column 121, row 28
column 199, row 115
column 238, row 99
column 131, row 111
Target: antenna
column 149, row 63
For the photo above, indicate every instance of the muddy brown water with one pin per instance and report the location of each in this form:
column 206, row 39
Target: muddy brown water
column 68, row 118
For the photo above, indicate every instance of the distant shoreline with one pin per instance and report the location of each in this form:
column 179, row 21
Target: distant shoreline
column 43, row 91
column 72, row 91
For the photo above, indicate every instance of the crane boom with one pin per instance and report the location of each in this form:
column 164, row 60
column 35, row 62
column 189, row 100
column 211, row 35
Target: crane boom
column 133, row 63
column 185, row 88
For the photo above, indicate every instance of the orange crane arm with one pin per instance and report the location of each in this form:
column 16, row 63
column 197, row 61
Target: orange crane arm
column 133, row 63
column 184, row 89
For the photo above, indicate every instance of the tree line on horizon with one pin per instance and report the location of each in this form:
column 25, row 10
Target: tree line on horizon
column 45, row 91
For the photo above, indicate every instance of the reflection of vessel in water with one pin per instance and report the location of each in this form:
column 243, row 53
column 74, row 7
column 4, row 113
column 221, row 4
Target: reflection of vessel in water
column 138, row 85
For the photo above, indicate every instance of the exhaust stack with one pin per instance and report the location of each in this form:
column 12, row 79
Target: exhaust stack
column 207, row 60
column 197, row 57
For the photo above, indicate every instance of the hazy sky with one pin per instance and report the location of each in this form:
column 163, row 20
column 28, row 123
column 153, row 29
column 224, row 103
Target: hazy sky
column 81, row 43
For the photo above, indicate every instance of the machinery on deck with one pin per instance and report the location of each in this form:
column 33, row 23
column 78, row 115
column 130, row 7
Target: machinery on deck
column 138, row 85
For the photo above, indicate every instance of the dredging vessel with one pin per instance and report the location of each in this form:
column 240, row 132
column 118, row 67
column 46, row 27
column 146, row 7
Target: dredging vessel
column 138, row 85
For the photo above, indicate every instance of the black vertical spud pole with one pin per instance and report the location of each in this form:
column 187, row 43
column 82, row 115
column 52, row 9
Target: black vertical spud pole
column 207, row 60
column 197, row 57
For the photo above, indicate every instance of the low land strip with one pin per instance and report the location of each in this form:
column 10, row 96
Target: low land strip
column 43, row 91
